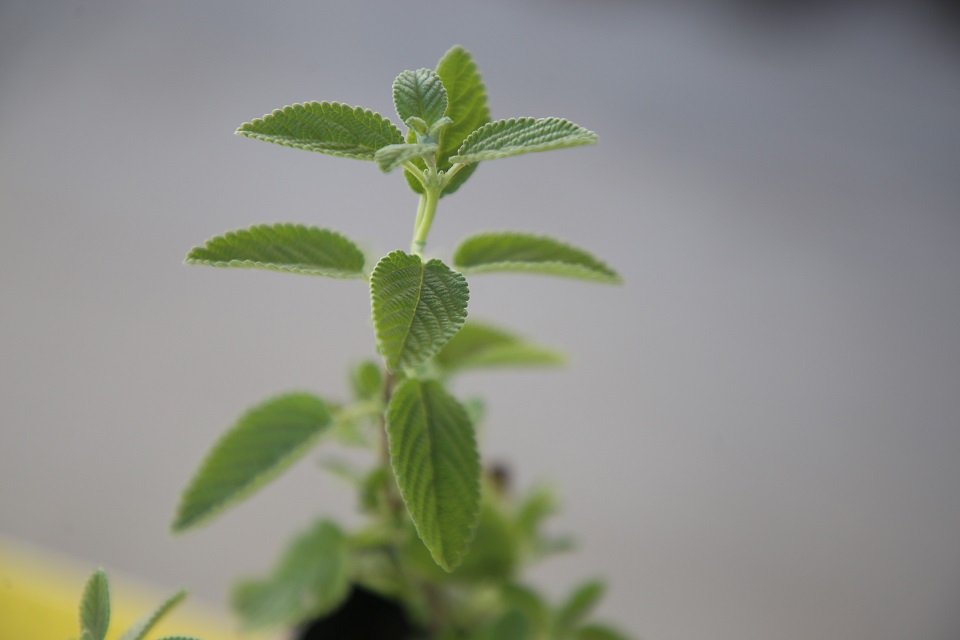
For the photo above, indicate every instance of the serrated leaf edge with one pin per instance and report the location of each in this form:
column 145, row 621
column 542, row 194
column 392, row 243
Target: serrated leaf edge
column 269, row 266
column 253, row 485
column 430, row 72
column 254, row 135
column 88, row 586
column 143, row 626
column 588, row 137
column 572, row 270
column 401, row 486
column 376, row 308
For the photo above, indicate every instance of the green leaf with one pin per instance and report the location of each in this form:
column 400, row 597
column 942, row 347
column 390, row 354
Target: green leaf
column 480, row 345
column 95, row 606
column 467, row 108
column 516, row 136
column 310, row 580
column 493, row 555
column 420, row 94
column 263, row 443
column 294, row 248
column 512, row 625
column 394, row 155
column 143, row 627
column 598, row 632
column 476, row 410
column 433, row 451
column 366, row 380
column 578, row 606
column 417, row 307
column 517, row 596
column 343, row 469
column 539, row 504
column 326, row 127
column 513, row 251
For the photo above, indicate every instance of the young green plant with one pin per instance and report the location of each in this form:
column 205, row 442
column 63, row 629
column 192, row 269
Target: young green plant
column 427, row 477
column 95, row 612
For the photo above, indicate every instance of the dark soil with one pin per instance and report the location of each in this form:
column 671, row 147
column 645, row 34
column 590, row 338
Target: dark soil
column 364, row 616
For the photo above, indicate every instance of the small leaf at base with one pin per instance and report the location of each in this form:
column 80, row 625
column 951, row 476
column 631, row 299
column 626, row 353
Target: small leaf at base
column 598, row 632
column 143, row 627
column 578, row 606
column 95, row 606
column 310, row 580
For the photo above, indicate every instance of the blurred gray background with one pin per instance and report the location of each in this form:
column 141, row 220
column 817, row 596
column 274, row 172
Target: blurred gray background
column 758, row 436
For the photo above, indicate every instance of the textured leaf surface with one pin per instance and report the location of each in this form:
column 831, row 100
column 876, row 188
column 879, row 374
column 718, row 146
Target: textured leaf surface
column 417, row 307
column 311, row 579
column 264, row 442
column 419, row 94
column 516, row 136
column 433, row 451
column 394, row 155
column 143, row 627
column 467, row 108
column 294, row 248
column 326, row 127
column 480, row 345
column 512, row 251
column 95, row 606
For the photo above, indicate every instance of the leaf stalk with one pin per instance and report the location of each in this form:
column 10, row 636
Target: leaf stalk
column 425, row 214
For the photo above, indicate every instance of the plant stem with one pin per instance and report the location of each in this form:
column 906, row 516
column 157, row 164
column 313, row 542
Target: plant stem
column 420, row 213
column 452, row 171
column 428, row 208
column 391, row 496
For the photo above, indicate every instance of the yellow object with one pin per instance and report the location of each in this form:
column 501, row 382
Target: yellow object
column 40, row 597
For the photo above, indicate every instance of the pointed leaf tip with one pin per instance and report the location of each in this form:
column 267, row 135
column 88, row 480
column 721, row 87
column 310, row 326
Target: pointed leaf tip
column 468, row 108
column 140, row 630
column 433, row 451
column 259, row 447
column 291, row 248
column 524, row 252
column 481, row 345
column 517, row 136
column 95, row 606
column 332, row 128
